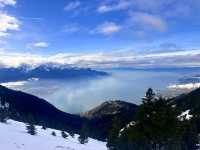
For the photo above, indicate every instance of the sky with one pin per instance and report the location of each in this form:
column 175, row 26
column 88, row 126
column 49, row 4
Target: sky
column 106, row 33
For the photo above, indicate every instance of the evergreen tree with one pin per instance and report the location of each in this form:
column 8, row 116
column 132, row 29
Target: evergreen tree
column 112, row 140
column 157, row 127
column 30, row 125
column 4, row 111
column 64, row 135
column 83, row 137
column 44, row 127
column 53, row 133
column 190, row 136
column 31, row 129
column 149, row 97
column 71, row 133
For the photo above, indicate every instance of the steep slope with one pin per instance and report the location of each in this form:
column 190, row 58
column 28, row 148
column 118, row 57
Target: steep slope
column 25, row 105
column 101, row 117
column 189, row 101
column 14, row 137
column 110, row 108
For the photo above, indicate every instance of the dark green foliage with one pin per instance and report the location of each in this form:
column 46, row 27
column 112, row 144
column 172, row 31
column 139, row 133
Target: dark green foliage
column 53, row 133
column 71, row 133
column 64, row 135
column 83, row 137
column 30, row 125
column 149, row 97
column 156, row 127
column 22, row 105
column 4, row 111
column 112, row 141
column 44, row 127
column 31, row 129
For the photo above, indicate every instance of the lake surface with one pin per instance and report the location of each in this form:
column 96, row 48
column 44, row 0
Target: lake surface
column 77, row 96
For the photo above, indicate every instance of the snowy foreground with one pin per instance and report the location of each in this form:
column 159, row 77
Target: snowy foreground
column 13, row 136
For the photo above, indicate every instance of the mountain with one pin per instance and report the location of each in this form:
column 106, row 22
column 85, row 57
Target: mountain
column 15, row 137
column 102, row 116
column 23, row 106
column 110, row 108
column 47, row 71
column 189, row 101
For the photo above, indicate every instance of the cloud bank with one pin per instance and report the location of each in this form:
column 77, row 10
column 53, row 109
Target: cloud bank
column 185, row 58
column 72, row 6
column 37, row 45
column 4, row 3
column 107, row 28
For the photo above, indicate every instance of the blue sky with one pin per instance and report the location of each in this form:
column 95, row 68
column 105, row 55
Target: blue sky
column 94, row 30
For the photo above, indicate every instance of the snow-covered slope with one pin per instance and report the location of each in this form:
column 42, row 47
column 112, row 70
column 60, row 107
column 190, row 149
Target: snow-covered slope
column 13, row 136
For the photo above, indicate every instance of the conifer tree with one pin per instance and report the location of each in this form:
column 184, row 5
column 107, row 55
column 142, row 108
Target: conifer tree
column 53, row 133
column 31, row 129
column 156, row 127
column 83, row 137
column 71, row 133
column 112, row 140
column 30, row 125
column 4, row 111
column 44, row 127
column 64, row 135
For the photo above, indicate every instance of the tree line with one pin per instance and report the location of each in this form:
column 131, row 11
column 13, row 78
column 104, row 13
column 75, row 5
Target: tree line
column 157, row 125
column 5, row 114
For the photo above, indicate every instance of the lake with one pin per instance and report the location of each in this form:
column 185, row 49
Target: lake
column 75, row 96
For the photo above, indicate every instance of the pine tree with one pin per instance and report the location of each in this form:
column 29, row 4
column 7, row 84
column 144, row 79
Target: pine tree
column 30, row 125
column 156, row 127
column 4, row 111
column 44, row 127
column 64, row 135
column 53, row 133
column 149, row 97
column 83, row 137
column 112, row 141
column 31, row 129
column 71, row 133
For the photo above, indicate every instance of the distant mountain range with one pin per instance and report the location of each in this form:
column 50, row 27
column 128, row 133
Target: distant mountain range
column 190, row 79
column 160, row 69
column 47, row 71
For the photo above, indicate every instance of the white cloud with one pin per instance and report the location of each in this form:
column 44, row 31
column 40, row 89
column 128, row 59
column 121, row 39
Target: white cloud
column 120, row 5
column 7, row 2
column 72, row 6
column 178, row 8
column 38, row 45
column 185, row 58
column 107, row 28
column 147, row 21
column 8, row 23
column 71, row 28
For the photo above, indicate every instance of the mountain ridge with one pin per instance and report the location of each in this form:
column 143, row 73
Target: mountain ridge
column 48, row 71
column 22, row 105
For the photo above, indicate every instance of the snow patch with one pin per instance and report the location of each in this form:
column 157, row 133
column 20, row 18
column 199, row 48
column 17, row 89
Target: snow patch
column 185, row 115
column 14, row 137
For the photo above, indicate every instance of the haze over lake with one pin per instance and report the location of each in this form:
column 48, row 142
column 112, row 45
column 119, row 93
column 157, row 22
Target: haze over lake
column 75, row 96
